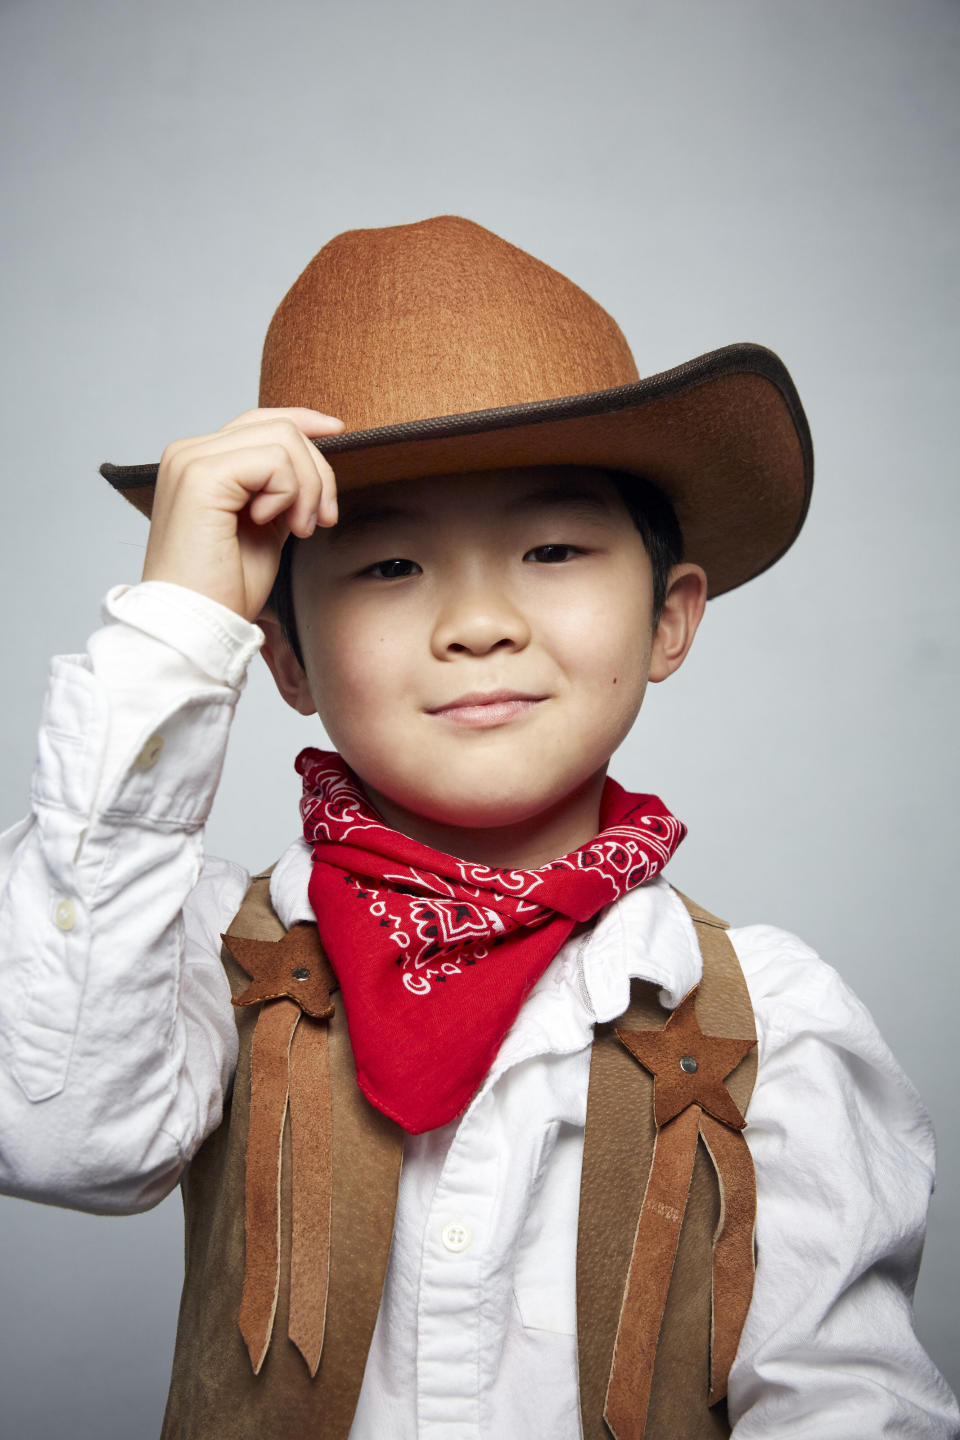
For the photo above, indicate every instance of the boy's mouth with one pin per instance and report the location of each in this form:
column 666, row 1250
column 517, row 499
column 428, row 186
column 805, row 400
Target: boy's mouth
column 480, row 709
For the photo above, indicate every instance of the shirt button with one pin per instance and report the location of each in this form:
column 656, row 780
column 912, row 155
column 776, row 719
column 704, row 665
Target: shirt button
column 150, row 753
column 456, row 1237
column 64, row 915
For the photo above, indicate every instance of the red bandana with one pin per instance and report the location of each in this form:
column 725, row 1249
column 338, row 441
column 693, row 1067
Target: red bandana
column 435, row 955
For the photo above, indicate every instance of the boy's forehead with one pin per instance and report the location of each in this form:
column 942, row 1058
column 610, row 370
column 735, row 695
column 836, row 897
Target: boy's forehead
column 512, row 491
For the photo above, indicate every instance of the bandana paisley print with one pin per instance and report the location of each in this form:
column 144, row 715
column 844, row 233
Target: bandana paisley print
column 436, row 955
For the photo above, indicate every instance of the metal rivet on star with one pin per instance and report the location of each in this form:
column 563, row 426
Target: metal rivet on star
column 294, row 967
column 688, row 1067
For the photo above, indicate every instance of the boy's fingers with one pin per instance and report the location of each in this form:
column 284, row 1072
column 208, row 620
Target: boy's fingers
column 292, row 489
column 231, row 480
column 225, row 502
column 274, row 457
column 272, row 502
column 310, row 422
column 325, row 510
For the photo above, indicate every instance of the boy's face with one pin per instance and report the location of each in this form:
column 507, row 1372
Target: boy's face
column 477, row 646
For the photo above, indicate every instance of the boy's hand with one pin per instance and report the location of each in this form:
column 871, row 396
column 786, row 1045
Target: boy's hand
column 225, row 503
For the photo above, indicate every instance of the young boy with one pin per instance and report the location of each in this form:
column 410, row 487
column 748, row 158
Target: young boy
column 471, row 959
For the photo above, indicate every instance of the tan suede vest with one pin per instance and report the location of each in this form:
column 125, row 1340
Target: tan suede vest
column 214, row 1394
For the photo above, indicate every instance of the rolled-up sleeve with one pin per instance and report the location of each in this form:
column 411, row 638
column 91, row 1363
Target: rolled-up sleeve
column 117, row 1039
column 844, row 1156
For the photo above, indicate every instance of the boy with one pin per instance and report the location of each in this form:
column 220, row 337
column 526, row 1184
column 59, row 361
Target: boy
column 538, row 1024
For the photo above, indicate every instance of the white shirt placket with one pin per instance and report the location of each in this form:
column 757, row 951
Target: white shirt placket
column 457, row 1243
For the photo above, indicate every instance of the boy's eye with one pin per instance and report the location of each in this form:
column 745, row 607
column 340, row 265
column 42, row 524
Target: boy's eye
column 393, row 569
column 551, row 554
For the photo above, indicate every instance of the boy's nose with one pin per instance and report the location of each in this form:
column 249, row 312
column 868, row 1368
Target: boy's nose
column 478, row 622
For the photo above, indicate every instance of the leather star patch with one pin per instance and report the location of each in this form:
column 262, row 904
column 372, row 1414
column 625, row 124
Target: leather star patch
column 688, row 1067
column 294, row 966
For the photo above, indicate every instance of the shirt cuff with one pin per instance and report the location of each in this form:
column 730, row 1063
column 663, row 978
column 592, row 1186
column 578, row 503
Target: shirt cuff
column 217, row 640
column 164, row 674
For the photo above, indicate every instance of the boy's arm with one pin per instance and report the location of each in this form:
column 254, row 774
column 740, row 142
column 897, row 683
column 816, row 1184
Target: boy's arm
column 844, row 1156
column 117, row 1039
column 116, row 1028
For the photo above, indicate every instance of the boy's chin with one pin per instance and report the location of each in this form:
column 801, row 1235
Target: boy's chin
column 484, row 814
column 470, row 813
column 448, row 818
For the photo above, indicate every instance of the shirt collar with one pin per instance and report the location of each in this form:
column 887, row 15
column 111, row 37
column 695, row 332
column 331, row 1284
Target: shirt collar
column 646, row 935
column 288, row 884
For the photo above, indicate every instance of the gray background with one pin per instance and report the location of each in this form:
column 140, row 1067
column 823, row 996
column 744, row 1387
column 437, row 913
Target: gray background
column 711, row 171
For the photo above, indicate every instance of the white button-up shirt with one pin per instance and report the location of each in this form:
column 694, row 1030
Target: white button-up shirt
column 117, row 1045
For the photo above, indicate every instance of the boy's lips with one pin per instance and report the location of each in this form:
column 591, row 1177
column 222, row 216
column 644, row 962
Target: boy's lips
column 480, row 709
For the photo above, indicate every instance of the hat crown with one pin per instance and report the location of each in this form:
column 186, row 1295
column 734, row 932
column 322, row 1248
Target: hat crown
column 436, row 318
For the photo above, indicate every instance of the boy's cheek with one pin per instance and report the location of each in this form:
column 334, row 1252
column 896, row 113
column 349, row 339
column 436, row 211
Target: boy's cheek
column 351, row 704
column 346, row 666
column 609, row 653
column 365, row 705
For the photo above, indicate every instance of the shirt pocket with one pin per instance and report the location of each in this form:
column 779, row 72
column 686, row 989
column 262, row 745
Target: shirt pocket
column 544, row 1285
column 546, row 1305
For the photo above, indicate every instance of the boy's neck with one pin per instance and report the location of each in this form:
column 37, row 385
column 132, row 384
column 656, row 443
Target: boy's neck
column 518, row 845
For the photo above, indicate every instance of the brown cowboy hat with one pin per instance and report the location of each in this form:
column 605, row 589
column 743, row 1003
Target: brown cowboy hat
column 445, row 349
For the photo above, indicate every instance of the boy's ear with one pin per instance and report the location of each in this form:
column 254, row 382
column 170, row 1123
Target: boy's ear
column 681, row 614
column 290, row 678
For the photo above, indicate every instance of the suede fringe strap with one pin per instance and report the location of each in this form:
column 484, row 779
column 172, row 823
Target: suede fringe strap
column 733, row 1266
column 690, row 1102
column 292, row 981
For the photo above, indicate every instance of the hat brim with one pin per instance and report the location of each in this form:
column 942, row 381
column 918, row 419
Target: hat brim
column 724, row 436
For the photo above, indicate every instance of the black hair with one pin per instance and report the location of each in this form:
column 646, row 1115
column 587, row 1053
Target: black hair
column 280, row 600
column 655, row 518
column 649, row 508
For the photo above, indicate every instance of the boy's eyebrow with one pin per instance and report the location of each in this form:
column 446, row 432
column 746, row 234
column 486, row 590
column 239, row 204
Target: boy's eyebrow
column 368, row 517
column 563, row 496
